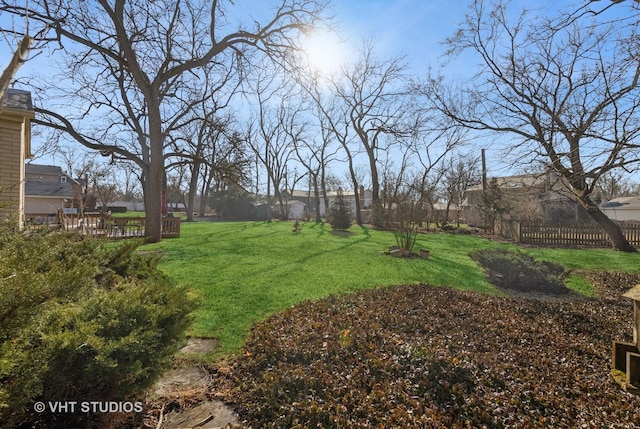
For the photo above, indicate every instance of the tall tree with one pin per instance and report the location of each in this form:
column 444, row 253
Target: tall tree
column 375, row 94
column 459, row 173
column 131, row 68
column 565, row 88
column 315, row 152
column 268, row 134
column 227, row 166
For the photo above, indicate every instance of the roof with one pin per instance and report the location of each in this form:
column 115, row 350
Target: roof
column 311, row 194
column 17, row 99
column 38, row 188
column 347, row 193
column 52, row 170
column 302, row 194
column 625, row 203
column 36, row 171
column 520, row 181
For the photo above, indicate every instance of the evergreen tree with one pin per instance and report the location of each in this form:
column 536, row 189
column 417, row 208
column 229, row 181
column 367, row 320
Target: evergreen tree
column 340, row 214
column 493, row 204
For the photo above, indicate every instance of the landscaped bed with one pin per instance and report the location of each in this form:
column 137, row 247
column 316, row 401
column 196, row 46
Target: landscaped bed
column 421, row 356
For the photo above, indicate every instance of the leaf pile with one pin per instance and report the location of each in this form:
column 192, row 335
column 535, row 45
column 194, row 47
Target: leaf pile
column 419, row 356
column 610, row 285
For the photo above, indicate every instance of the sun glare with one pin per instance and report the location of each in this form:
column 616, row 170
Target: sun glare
column 325, row 52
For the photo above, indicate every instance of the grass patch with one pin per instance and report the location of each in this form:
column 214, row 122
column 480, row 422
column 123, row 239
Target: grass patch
column 243, row 272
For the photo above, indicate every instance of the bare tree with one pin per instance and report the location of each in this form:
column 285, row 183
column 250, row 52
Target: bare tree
column 31, row 37
column 615, row 184
column 17, row 60
column 198, row 141
column 564, row 88
column 103, row 186
column 268, row 133
column 80, row 165
column 132, row 65
column 227, row 167
column 335, row 126
column 316, row 154
column 375, row 94
column 458, row 174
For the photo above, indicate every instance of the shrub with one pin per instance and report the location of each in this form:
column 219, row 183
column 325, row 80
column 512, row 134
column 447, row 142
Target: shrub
column 340, row 214
column 404, row 223
column 520, row 272
column 81, row 320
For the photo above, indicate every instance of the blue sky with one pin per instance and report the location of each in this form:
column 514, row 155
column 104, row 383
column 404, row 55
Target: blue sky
column 415, row 28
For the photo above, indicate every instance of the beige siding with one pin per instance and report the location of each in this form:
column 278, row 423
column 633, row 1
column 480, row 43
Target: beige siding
column 42, row 205
column 14, row 143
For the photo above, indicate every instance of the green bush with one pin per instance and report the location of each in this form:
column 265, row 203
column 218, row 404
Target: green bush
column 520, row 272
column 81, row 320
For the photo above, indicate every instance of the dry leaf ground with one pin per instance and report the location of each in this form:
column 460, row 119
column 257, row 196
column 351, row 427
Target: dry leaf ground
column 420, row 356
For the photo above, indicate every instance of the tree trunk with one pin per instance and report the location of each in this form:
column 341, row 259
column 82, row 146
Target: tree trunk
column 316, row 198
column 356, row 194
column 155, row 179
column 618, row 240
column 204, row 189
column 193, row 189
column 17, row 60
column 153, row 206
column 377, row 208
column 323, row 185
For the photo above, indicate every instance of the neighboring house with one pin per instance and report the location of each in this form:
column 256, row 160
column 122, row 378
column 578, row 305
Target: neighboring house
column 16, row 113
column 623, row 208
column 47, row 189
column 366, row 197
column 537, row 197
column 307, row 197
column 295, row 210
column 301, row 203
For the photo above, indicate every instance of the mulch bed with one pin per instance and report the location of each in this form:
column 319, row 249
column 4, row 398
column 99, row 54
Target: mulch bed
column 420, row 356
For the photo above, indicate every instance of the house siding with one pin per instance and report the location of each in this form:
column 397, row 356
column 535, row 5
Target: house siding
column 16, row 112
column 12, row 149
column 533, row 197
column 42, row 205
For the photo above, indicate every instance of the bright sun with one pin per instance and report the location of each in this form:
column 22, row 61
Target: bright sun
column 325, row 52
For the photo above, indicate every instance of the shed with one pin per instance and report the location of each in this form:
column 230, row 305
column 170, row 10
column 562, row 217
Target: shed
column 296, row 209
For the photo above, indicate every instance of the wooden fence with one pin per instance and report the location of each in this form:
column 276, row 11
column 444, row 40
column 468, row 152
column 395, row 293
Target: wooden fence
column 586, row 234
column 102, row 226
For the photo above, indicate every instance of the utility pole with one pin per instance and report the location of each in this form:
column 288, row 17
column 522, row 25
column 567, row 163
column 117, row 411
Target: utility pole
column 484, row 171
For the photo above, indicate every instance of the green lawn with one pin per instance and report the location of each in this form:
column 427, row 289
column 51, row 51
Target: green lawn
column 242, row 272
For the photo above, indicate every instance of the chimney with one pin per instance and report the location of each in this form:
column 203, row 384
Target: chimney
column 361, row 194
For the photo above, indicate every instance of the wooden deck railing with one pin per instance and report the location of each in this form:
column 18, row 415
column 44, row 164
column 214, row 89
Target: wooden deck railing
column 101, row 225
